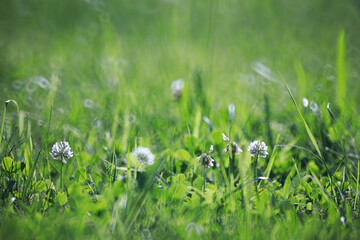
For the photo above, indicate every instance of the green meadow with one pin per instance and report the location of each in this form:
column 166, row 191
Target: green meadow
column 179, row 119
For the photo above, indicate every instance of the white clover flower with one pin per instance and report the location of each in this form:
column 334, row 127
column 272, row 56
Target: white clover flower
column 194, row 227
column 205, row 158
column 305, row 102
column 177, row 87
column 225, row 138
column 314, row 107
column 258, row 148
column 234, row 147
column 343, row 220
column 61, row 151
column 143, row 155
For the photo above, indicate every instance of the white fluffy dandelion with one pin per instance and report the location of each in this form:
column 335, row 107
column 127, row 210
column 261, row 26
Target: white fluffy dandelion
column 258, row 148
column 61, row 151
column 143, row 155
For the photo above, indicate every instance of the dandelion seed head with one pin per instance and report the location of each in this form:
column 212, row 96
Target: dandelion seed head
column 143, row 155
column 61, row 151
column 258, row 148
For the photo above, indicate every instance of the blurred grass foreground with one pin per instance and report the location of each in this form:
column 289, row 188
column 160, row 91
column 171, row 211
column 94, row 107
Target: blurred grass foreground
column 133, row 119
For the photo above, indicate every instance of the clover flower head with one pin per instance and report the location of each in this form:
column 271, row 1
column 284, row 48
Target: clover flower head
column 258, row 148
column 314, row 107
column 305, row 102
column 205, row 158
column 234, row 147
column 225, row 138
column 143, row 155
column 177, row 87
column 61, row 151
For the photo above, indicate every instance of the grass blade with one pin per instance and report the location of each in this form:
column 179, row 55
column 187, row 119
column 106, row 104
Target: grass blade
column 341, row 70
column 303, row 120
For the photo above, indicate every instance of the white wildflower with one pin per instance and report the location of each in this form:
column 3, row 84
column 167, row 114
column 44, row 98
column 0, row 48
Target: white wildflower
column 143, row 155
column 314, row 107
column 61, row 151
column 305, row 102
column 225, row 138
column 258, row 148
column 194, row 227
column 146, row 234
column 177, row 87
column 234, row 147
column 205, row 158
column 342, row 220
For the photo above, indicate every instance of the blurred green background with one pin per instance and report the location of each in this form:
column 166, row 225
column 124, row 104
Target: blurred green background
column 130, row 51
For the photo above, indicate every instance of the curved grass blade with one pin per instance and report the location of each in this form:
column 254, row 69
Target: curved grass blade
column 303, row 119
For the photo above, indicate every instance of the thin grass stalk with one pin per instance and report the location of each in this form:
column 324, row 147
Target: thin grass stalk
column 3, row 123
column 341, row 70
column 231, row 160
column 114, row 178
column 29, row 178
column 61, row 170
column 312, row 138
column 204, row 177
column 255, row 170
column 357, row 184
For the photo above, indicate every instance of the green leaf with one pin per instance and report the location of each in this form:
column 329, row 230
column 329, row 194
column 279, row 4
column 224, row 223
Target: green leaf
column 287, row 184
column 61, row 198
column 341, row 70
column 80, row 175
column 183, row 155
column 199, row 183
column 8, row 164
column 40, row 186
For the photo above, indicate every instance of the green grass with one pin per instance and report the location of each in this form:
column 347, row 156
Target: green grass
column 98, row 74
